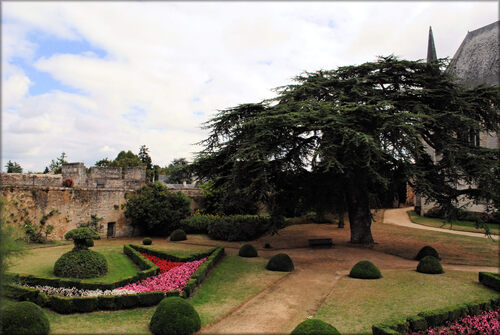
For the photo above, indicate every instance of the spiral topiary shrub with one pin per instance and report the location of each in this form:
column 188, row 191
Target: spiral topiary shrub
column 247, row 250
column 429, row 264
column 24, row 318
column 178, row 235
column 147, row 241
column 280, row 262
column 314, row 327
column 365, row 270
column 427, row 251
column 81, row 264
column 174, row 315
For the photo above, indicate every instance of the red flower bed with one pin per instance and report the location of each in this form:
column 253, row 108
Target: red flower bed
column 163, row 264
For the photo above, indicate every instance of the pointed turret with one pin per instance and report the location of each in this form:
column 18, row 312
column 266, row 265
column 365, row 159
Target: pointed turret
column 431, row 48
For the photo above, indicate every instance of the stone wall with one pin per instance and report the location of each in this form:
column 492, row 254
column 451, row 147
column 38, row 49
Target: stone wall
column 30, row 179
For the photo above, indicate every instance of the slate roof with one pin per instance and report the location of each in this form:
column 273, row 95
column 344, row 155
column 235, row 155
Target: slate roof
column 476, row 61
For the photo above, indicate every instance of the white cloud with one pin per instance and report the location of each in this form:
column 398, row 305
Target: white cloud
column 170, row 66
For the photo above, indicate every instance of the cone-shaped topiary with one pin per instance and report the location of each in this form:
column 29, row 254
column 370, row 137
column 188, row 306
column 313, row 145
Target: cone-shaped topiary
column 147, row 241
column 247, row 250
column 24, row 318
column 280, row 262
column 174, row 315
column 178, row 235
column 429, row 264
column 315, row 327
column 427, row 251
column 81, row 264
column 365, row 270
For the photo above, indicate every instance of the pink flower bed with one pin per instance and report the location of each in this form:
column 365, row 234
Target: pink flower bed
column 174, row 279
column 486, row 323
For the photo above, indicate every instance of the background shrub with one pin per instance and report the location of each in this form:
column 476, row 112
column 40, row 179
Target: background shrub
column 427, row 251
column 24, row 318
column 365, row 270
column 315, row 327
column 429, row 264
column 280, row 262
column 239, row 227
column 174, row 315
column 178, row 235
column 157, row 211
column 247, row 250
column 147, row 241
column 81, row 264
column 198, row 224
column 68, row 182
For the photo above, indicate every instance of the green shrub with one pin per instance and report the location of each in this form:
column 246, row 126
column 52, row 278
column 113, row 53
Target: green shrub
column 173, row 316
column 490, row 279
column 417, row 323
column 85, row 304
column 127, row 301
column 147, row 241
column 82, row 237
column 239, row 227
column 178, row 235
column 383, row 330
column 314, row 327
column 63, row 305
column 280, row 262
column 150, row 298
column 197, row 224
column 365, row 270
column 427, row 251
column 81, row 264
column 430, row 265
column 107, row 302
column 247, row 250
column 42, row 299
column 24, row 318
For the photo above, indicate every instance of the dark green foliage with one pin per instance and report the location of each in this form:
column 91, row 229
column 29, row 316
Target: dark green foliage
column 85, row 304
column 189, row 288
column 435, row 318
column 82, row 237
column 127, row 301
column 197, row 224
column 490, row 279
column 155, row 210
column 42, row 299
column 174, row 316
column 267, row 246
column 179, row 171
column 427, row 251
column 247, row 250
column 62, row 305
column 365, row 270
column 107, row 302
column 417, row 323
column 20, row 292
column 178, row 235
column 150, row 298
column 351, row 131
column 239, row 227
column 314, row 327
column 24, row 318
column 147, row 241
column 280, row 262
column 430, row 265
column 383, row 330
column 13, row 167
column 81, row 264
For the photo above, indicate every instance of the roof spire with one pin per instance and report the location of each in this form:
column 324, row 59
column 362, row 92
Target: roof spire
column 431, row 48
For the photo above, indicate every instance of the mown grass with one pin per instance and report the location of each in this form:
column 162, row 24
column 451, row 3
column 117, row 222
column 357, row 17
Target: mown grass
column 468, row 226
column 356, row 304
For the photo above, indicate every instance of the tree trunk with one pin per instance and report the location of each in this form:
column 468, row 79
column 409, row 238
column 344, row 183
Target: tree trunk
column 360, row 219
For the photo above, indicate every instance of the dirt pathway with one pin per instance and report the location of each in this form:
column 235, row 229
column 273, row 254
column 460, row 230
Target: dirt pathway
column 398, row 216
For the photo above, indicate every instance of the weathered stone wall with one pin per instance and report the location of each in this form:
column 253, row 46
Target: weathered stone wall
column 30, row 179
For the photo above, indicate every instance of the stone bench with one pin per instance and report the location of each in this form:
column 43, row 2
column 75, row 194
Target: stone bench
column 320, row 242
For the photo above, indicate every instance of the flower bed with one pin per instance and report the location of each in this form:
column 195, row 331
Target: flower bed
column 487, row 323
column 163, row 264
column 74, row 292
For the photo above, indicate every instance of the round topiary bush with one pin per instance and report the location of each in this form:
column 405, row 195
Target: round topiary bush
column 174, row 315
column 81, row 264
column 365, row 270
column 429, row 264
column 178, row 235
column 147, row 241
column 280, row 262
column 247, row 250
column 82, row 237
column 314, row 327
column 24, row 318
column 427, row 251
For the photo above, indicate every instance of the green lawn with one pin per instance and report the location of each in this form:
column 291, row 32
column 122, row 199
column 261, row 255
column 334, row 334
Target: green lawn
column 457, row 225
column 356, row 304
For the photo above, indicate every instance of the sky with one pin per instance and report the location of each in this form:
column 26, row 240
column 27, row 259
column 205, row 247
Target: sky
column 93, row 78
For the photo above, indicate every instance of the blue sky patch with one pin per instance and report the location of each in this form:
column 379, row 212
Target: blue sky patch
column 136, row 116
column 198, row 113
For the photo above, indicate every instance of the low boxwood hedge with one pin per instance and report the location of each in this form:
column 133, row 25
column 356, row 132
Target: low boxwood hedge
column 430, row 265
column 247, row 250
column 238, row 227
column 178, row 235
column 490, row 279
column 365, row 270
column 314, row 327
column 280, row 262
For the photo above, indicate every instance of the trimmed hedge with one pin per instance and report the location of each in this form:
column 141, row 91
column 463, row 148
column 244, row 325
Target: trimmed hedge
column 280, row 262
column 178, row 235
column 238, row 227
column 430, row 265
column 365, row 270
column 174, row 316
column 147, row 241
column 80, row 263
column 197, row 224
column 314, row 327
column 247, row 250
column 490, row 279
column 434, row 318
column 24, row 318
column 427, row 251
